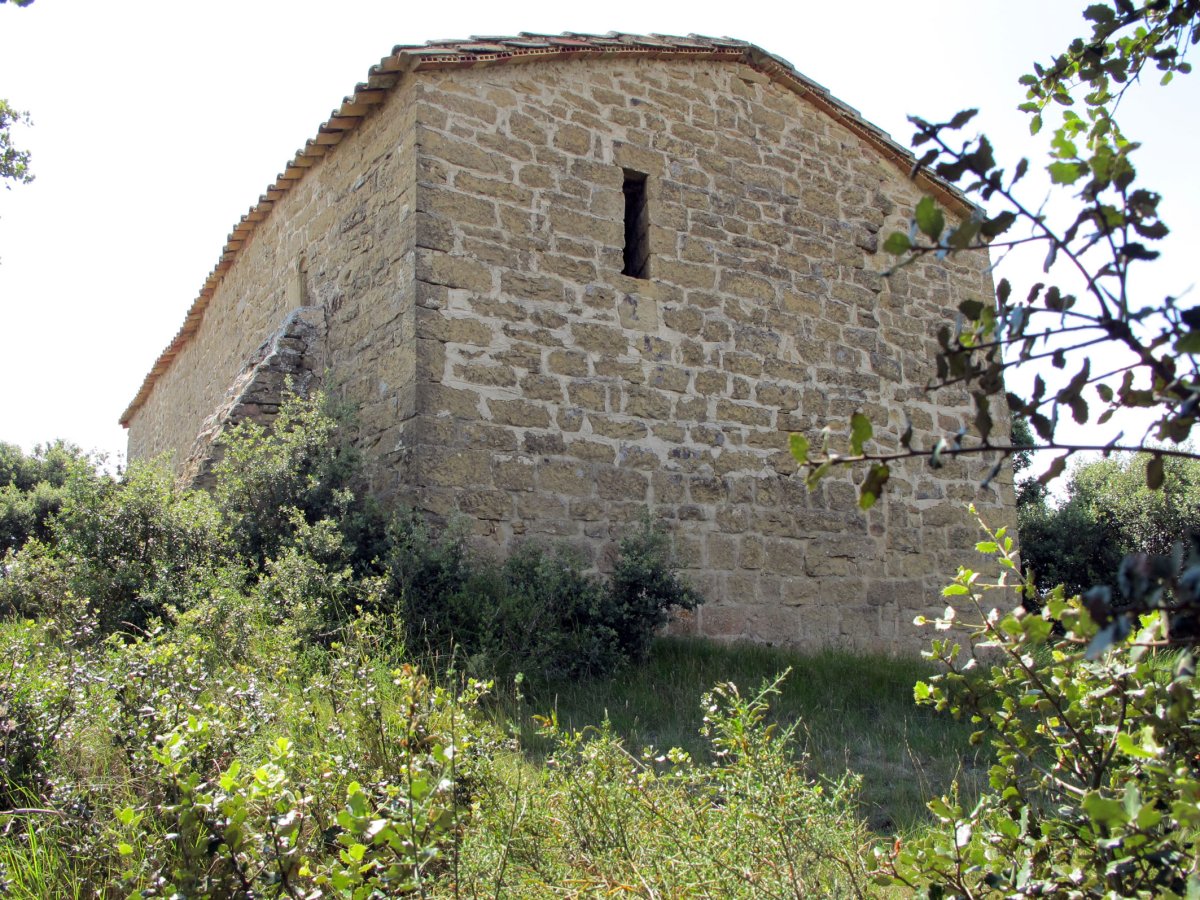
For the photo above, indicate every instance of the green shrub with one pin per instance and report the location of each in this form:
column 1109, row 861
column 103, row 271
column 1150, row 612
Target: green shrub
column 32, row 488
column 303, row 463
column 534, row 612
column 310, row 589
column 538, row 612
column 1096, row 787
column 427, row 568
column 365, row 804
column 1108, row 512
column 140, row 548
column 134, row 550
column 48, row 464
column 552, row 620
column 23, row 745
column 644, row 587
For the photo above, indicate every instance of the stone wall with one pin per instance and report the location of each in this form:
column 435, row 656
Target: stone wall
column 340, row 240
column 557, row 397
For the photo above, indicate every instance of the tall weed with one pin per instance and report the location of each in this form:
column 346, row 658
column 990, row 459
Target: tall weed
column 602, row 820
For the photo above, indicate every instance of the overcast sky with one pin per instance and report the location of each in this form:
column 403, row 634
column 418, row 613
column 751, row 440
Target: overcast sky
column 156, row 125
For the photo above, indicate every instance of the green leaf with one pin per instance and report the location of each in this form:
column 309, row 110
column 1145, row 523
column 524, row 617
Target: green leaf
column 998, row 224
column 1057, row 466
column 1148, row 817
column 897, row 243
column 1189, row 343
column 929, row 217
column 1065, row 172
column 955, row 590
column 872, row 487
column 1129, row 747
column 798, row 444
column 1079, row 409
column 962, row 236
column 1154, row 472
column 124, row 849
column 815, row 476
column 860, row 432
column 987, row 547
column 971, row 309
column 1104, row 809
column 962, row 118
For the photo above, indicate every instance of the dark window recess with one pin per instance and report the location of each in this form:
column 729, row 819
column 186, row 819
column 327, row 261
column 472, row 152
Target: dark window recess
column 637, row 225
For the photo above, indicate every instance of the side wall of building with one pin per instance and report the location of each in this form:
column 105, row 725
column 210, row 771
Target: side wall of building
column 558, row 397
column 340, row 242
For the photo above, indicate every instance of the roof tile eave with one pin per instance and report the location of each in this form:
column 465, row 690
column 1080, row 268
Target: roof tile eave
column 525, row 47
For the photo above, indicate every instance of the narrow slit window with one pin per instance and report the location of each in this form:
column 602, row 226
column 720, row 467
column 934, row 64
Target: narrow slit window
column 637, row 225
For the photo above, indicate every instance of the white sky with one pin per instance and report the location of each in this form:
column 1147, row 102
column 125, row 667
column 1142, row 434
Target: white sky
column 158, row 124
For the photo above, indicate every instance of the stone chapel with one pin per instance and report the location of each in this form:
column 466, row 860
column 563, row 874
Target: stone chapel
column 565, row 278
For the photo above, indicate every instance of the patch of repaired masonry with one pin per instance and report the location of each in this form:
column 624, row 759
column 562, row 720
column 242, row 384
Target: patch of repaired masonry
column 292, row 359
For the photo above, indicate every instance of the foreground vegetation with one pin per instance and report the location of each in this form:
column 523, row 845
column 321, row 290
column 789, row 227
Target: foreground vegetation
column 274, row 691
column 852, row 712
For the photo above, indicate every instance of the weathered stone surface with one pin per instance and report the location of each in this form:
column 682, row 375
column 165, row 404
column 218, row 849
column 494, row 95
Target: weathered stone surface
column 291, row 359
column 459, row 257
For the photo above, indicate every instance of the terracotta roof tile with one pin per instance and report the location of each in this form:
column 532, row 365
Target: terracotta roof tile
column 530, row 47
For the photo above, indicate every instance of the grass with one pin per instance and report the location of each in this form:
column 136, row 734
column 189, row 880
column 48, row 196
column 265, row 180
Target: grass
column 31, row 869
column 856, row 713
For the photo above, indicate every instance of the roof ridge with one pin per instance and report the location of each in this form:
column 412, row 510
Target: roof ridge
column 527, row 47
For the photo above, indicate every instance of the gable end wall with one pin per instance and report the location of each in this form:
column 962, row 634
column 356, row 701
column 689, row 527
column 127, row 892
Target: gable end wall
column 557, row 397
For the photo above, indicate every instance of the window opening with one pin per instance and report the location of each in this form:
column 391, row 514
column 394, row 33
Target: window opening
column 637, row 225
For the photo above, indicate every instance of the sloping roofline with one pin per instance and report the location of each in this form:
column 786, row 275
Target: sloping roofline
column 525, row 47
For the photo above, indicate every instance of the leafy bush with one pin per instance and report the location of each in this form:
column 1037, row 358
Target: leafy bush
column 32, row 489
column 134, row 550
column 303, row 463
column 229, row 828
column 207, row 696
column 537, row 612
column 25, row 733
column 427, row 569
column 553, row 620
column 643, row 587
column 1072, row 546
column 534, row 612
column 310, row 590
column 1096, row 788
column 1109, row 512
column 49, row 464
